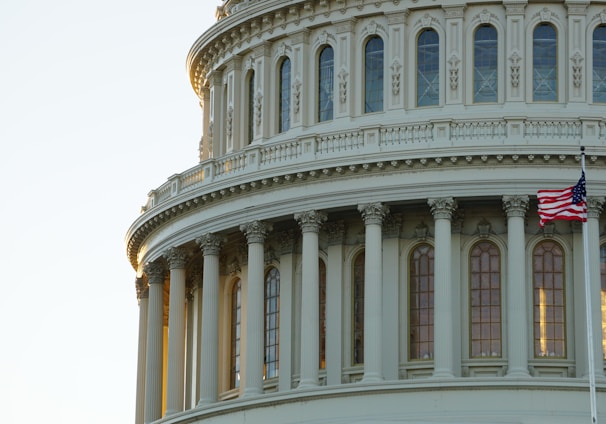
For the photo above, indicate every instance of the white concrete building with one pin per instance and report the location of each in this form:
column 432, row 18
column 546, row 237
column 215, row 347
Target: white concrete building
column 359, row 242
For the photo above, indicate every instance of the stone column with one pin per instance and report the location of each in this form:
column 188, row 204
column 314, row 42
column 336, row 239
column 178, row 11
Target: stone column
column 155, row 319
column 190, row 341
column 334, row 302
column 255, row 232
column 442, row 210
column 517, row 312
column 373, row 215
column 177, row 259
column 142, row 297
column 594, row 209
column 310, row 223
column 209, row 356
column 391, row 296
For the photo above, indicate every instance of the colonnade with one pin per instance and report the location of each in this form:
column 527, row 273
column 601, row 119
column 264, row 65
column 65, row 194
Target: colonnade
column 446, row 362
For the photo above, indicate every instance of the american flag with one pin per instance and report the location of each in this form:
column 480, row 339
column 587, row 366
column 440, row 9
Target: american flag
column 568, row 204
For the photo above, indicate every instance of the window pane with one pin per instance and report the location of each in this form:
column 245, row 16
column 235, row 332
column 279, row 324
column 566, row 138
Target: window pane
column 236, row 309
column 284, row 110
column 544, row 61
column 373, row 74
column 326, row 84
column 549, row 300
column 428, row 69
column 421, row 302
column 358, row 309
column 599, row 64
column 272, row 323
column 485, row 65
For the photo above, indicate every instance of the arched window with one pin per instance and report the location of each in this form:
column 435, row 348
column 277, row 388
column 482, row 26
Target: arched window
column 599, row 64
column 251, row 106
column 485, row 60
column 421, row 302
column 428, row 68
column 373, row 75
column 358, row 309
column 544, row 63
column 236, row 319
column 322, row 283
column 485, row 300
column 284, row 89
column 326, row 84
column 603, row 295
column 549, row 305
column 272, row 323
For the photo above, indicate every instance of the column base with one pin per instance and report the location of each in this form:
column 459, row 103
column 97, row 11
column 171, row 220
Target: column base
column 372, row 377
column 443, row 374
column 205, row 402
column 169, row 412
column 518, row 373
column 252, row 392
column 308, row 383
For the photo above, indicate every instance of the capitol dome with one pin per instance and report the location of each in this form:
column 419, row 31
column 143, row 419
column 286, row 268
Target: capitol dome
column 358, row 240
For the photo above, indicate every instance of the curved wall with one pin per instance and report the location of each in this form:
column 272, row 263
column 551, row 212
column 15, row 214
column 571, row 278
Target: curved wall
column 341, row 210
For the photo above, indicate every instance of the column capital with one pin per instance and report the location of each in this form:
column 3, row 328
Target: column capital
column 310, row 221
column 176, row 257
column 256, row 231
column 155, row 272
column 210, row 243
column 373, row 213
column 515, row 205
column 442, row 207
column 594, row 206
column 336, row 232
column 142, row 288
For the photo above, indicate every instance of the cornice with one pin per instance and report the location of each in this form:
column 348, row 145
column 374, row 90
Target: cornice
column 232, row 188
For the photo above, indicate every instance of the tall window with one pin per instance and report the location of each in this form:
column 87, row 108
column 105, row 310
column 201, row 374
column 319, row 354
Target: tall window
column 322, row 282
column 548, row 300
column 284, row 112
column 603, row 295
column 251, row 106
column 272, row 323
column 358, row 309
column 485, row 300
column 485, row 64
column 599, row 64
column 326, row 81
column 421, row 302
column 544, row 64
column 428, row 68
column 373, row 75
column 236, row 319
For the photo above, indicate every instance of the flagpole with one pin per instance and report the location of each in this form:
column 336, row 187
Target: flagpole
column 594, row 413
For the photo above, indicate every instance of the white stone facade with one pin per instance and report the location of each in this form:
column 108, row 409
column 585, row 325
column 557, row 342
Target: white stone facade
column 321, row 221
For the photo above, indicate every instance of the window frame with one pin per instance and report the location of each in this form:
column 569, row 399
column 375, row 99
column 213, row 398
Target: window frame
column 429, row 355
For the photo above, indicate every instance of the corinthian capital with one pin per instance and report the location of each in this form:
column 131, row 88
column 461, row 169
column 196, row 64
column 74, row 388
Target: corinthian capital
column 373, row 213
column 256, row 231
column 442, row 207
column 210, row 243
column 155, row 272
column 176, row 257
column 594, row 206
column 515, row 205
column 142, row 288
column 310, row 221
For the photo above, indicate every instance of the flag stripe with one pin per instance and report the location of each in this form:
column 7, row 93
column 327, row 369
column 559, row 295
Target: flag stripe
column 566, row 204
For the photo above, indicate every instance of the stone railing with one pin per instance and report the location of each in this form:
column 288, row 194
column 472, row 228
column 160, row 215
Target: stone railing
column 380, row 143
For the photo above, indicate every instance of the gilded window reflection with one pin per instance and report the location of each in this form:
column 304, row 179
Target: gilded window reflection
column 272, row 323
column 322, row 314
column 421, row 302
column 284, row 89
column 236, row 319
column 358, row 309
column 485, row 300
column 603, row 295
column 549, row 307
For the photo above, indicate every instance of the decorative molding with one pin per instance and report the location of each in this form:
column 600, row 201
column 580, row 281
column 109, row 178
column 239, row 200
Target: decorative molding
column 395, row 76
column 155, row 271
column 142, row 288
column 484, row 228
column 516, row 205
column 210, row 244
column 176, row 257
column 515, row 59
column 229, row 121
column 258, row 107
column 296, row 89
column 422, row 231
column 343, row 74
column 454, row 71
column 594, row 206
column 335, row 231
column 577, row 69
column 256, row 231
column 442, row 207
column 392, row 225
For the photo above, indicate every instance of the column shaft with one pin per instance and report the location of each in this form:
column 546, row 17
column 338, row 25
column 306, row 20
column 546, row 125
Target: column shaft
column 141, row 356
column 153, row 365
column 517, row 315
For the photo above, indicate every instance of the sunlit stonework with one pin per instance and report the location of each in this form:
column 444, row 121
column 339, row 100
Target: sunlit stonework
column 358, row 240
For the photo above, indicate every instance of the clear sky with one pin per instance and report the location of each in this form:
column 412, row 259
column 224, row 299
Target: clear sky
column 95, row 111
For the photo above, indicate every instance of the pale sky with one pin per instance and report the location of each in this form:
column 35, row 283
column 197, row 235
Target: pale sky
column 95, row 111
